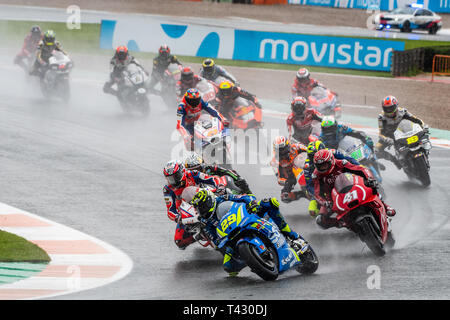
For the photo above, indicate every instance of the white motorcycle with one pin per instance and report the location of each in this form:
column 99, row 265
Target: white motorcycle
column 212, row 140
column 412, row 146
column 55, row 79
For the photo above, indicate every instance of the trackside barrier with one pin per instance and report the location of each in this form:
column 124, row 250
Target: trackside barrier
column 406, row 61
column 441, row 66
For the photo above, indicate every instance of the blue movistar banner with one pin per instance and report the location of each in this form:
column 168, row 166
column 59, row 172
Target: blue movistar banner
column 312, row 50
column 229, row 43
column 350, row 4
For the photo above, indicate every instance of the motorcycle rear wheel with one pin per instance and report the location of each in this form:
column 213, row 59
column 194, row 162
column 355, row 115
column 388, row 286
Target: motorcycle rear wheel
column 264, row 266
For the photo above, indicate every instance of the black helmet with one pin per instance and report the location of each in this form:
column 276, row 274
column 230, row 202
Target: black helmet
column 205, row 202
column 36, row 31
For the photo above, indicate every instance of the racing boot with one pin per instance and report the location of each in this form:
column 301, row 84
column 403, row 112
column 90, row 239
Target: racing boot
column 232, row 265
column 313, row 208
column 327, row 222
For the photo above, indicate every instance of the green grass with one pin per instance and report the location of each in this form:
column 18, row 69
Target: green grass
column 17, row 249
column 86, row 40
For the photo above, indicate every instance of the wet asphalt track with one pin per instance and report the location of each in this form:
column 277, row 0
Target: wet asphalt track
column 90, row 167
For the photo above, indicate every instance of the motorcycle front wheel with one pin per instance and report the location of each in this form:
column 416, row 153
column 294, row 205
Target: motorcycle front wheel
column 264, row 265
column 369, row 236
column 310, row 262
column 422, row 170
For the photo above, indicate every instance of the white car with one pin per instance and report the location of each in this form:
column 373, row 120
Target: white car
column 409, row 18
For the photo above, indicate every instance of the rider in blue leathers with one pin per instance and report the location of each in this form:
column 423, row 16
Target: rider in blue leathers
column 332, row 133
column 206, row 203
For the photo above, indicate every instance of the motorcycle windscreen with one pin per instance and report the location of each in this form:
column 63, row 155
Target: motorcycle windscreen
column 344, row 182
column 223, row 209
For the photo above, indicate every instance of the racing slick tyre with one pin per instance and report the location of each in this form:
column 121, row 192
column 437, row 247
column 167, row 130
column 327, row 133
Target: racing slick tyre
column 422, row 171
column 264, row 265
column 369, row 236
column 310, row 262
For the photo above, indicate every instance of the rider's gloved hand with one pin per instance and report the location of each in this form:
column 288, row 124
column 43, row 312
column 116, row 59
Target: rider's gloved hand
column 426, row 129
column 226, row 123
column 369, row 142
column 253, row 207
column 221, row 190
column 371, row 183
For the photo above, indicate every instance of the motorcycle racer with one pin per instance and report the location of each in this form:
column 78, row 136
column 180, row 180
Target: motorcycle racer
column 30, row 44
column 388, row 121
column 309, row 168
column 195, row 162
column 189, row 111
column 300, row 120
column 332, row 133
column 228, row 92
column 285, row 153
column 118, row 63
column 187, row 80
column 177, row 180
column 303, row 84
column 327, row 168
column 160, row 64
column 44, row 51
column 206, row 203
column 211, row 71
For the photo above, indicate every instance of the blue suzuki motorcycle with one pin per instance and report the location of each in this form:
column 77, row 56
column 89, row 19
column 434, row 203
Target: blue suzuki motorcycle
column 260, row 244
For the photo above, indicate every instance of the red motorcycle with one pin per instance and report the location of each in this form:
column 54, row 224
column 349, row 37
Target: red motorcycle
column 360, row 210
column 325, row 101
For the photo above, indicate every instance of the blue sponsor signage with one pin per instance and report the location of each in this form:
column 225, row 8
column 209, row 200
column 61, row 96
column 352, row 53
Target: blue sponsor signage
column 439, row 5
column 275, row 47
column 384, row 5
column 312, row 50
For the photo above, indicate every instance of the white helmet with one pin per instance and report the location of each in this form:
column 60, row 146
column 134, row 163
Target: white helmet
column 193, row 161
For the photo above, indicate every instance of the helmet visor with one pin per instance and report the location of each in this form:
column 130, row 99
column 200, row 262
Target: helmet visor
column 175, row 179
column 390, row 110
column 193, row 102
column 324, row 166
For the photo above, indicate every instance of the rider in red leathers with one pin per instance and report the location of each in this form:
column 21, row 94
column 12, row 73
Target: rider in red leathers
column 29, row 47
column 299, row 122
column 303, row 85
column 177, row 180
column 187, row 80
column 324, row 177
